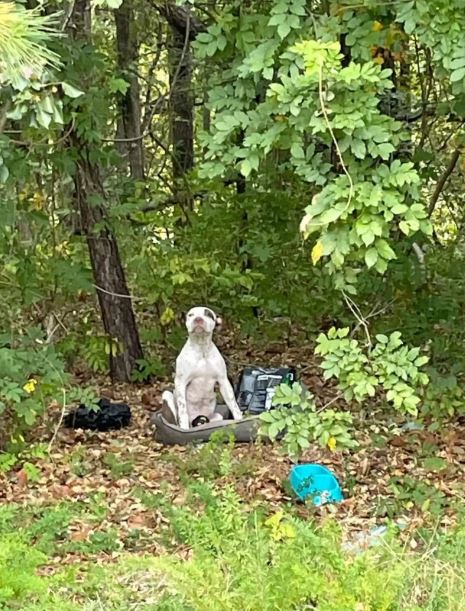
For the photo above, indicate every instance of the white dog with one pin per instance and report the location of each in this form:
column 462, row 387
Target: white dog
column 199, row 367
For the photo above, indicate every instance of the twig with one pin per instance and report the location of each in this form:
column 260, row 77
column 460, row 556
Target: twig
column 330, row 402
column 67, row 16
column 59, row 423
column 353, row 307
column 328, row 124
column 102, row 290
column 43, row 141
column 442, row 181
column 336, row 145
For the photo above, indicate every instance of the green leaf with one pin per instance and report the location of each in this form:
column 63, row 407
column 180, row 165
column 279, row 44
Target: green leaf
column 71, row 91
column 457, row 75
column 371, row 257
column 329, row 216
column 297, row 150
column 384, row 250
column 4, row 173
column 246, row 168
column 358, row 148
column 368, row 237
column 458, row 62
column 404, row 227
column 434, row 463
column 381, row 265
column 43, row 118
column 267, row 417
column 385, row 149
column 399, row 209
column 283, row 29
column 276, row 19
column 117, row 85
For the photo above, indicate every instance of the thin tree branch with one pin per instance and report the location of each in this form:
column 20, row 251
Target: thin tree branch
column 443, row 179
column 362, row 322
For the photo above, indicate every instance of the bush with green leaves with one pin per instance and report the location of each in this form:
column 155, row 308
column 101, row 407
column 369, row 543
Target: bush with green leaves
column 18, row 580
column 389, row 366
column 32, row 376
column 298, row 421
column 444, row 397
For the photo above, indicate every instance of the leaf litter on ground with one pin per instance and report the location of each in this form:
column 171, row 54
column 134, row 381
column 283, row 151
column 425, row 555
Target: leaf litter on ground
column 79, row 470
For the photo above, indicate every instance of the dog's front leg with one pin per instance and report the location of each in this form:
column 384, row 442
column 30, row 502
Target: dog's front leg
column 227, row 393
column 180, row 387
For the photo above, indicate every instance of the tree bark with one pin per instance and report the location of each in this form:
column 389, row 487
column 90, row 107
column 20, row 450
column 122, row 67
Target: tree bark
column 181, row 105
column 113, row 295
column 129, row 102
column 183, row 27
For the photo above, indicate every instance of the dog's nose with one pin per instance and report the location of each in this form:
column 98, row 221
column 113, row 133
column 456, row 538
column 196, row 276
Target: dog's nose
column 198, row 320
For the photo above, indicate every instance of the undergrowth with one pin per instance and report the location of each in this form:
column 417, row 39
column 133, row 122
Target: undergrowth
column 225, row 555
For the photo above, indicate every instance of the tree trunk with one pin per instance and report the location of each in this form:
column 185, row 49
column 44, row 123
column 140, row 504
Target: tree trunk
column 113, row 295
column 129, row 102
column 183, row 28
column 181, row 105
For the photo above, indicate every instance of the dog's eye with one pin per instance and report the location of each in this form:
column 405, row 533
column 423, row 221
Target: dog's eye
column 189, row 315
column 209, row 313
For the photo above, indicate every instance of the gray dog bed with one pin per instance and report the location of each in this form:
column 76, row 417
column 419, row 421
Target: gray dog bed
column 168, row 433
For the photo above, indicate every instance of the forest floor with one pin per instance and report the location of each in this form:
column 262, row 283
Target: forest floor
column 97, row 496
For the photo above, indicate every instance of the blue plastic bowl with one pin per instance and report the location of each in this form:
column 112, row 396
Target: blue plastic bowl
column 317, row 482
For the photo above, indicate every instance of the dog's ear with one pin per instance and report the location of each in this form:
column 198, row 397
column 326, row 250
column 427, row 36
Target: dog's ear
column 219, row 321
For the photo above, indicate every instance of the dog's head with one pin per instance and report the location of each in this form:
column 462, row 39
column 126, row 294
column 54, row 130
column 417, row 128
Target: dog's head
column 201, row 320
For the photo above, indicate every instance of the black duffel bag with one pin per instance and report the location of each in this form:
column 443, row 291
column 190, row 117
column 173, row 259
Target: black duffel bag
column 109, row 417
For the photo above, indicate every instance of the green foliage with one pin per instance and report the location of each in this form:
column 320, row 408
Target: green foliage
column 306, row 124
column 118, row 468
column 20, row 452
column 309, row 102
column 147, row 368
column 18, row 580
column 443, row 398
column 251, row 561
column 264, row 562
column 95, row 352
column 49, row 527
column 31, row 376
column 240, row 556
column 299, row 422
column 409, row 493
column 389, row 366
column 212, row 460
